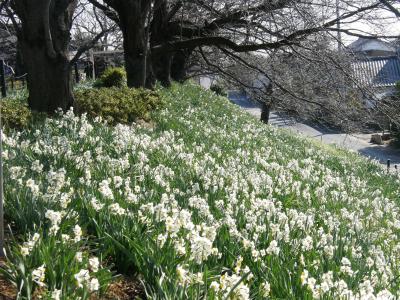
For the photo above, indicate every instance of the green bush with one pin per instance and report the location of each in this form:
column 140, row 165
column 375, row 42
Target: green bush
column 15, row 114
column 117, row 105
column 112, row 77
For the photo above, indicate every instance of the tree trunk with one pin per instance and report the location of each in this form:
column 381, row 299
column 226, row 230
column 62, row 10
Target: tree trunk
column 132, row 21
column 266, row 105
column 265, row 112
column 19, row 64
column 161, row 65
column 49, row 80
column 135, row 60
column 162, row 61
column 179, row 65
column 44, row 37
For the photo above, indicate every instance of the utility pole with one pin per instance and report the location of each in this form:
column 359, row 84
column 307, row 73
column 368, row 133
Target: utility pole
column 339, row 34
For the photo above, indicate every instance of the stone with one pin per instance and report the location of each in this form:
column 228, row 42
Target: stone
column 376, row 139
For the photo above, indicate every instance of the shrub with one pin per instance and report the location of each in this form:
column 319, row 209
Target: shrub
column 218, row 89
column 15, row 114
column 112, row 77
column 117, row 105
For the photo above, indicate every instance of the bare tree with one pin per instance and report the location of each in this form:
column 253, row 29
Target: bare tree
column 160, row 35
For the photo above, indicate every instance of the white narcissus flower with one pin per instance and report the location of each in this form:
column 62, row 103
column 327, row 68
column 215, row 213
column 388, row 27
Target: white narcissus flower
column 214, row 286
column 56, row 295
column 38, row 275
column 265, row 289
column 116, row 209
column 273, row 248
column 82, row 278
column 78, row 256
column 77, row 233
column 200, row 249
column 307, row 243
column 55, row 219
column 24, row 251
column 183, row 277
column 105, row 190
column 94, row 264
column 304, row 277
column 94, row 285
column 97, row 206
column 30, row 183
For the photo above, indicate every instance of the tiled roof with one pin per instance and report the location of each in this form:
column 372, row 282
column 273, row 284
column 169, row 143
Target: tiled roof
column 358, row 45
column 378, row 71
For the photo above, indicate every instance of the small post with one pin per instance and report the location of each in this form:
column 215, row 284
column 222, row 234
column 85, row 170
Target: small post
column 3, row 79
column 388, row 165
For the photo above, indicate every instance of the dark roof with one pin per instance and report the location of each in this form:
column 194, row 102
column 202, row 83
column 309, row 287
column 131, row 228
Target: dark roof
column 378, row 71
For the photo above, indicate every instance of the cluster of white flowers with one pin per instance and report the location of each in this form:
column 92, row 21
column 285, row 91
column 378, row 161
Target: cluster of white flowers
column 105, row 190
column 27, row 246
column 83, row 279
column 55, row 219
column 231, row 187
column 38, row 275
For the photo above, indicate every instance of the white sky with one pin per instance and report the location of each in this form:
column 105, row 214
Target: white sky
column 385, row 23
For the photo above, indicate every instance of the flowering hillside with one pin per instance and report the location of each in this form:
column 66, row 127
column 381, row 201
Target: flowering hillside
column 208, row 203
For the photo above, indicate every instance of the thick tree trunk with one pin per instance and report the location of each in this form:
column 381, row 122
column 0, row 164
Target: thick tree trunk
column 44, row 38
column 161, row 61
column 133, row 15
column 49, row 80
column 135, row 60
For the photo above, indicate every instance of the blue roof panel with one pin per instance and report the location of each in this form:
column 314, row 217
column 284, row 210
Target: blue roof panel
column 379, row 71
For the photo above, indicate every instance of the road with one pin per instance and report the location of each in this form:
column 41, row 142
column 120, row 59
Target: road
column 355, row 142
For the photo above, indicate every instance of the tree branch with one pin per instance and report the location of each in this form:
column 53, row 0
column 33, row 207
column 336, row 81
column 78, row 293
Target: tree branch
column 107, row 11
column 291, row 39
column 89, row 45
column 391, row 7
column 174, row 10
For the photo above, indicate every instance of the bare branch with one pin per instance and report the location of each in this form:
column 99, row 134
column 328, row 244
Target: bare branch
column 89, row 45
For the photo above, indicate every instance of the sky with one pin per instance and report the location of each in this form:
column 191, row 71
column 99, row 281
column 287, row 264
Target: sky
column 385, row 23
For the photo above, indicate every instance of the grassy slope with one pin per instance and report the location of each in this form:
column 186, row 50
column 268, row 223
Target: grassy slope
column 243, row 185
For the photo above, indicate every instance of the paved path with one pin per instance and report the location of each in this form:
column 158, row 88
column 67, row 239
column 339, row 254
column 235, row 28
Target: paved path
column 355, row 142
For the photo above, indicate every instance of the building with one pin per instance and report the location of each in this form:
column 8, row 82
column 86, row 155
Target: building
column 368, row 48
column 378, row 72
column 376, row 66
